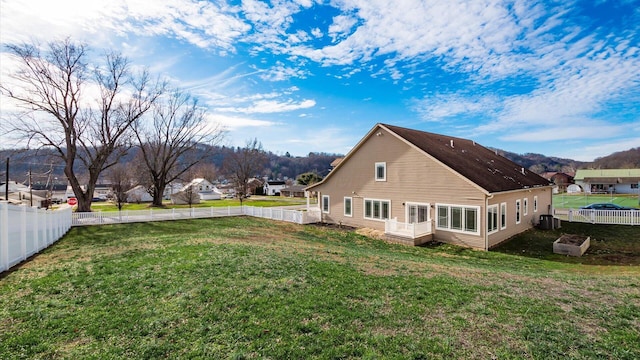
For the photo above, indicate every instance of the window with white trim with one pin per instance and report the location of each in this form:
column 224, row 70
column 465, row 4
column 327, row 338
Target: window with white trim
column 348, row 208
column 518, row 209
column 325, row 204
column 417, row 213
column 458, row 218
column 492, row 218
column 377, row 209
column 503, row 216
column 381, row 171
column 525, row 205
column 535, row 204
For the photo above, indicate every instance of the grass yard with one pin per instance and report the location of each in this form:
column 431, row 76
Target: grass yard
column 247, row 288
column 610, row 244
column 575, row 201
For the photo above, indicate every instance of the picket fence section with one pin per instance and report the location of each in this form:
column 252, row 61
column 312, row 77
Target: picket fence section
column 25, row 231
column 610, row 217
column 128, row 216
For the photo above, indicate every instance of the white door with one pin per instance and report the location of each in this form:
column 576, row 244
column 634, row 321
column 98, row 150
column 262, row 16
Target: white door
column 417, row 213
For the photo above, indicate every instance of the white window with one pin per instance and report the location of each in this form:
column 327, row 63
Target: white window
column 503, row 216
column 325, row 204
column 381, row 171
column 492, row 218
column 535, row 204
column 348, row 209
column 377, row 209
column 458, row 218
column 417, row 213
column 526, row 206
column 518, row 211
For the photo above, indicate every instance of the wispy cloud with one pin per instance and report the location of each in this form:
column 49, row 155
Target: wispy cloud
column 270, row 106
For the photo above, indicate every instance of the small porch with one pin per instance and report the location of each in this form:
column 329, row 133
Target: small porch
column 408, row 233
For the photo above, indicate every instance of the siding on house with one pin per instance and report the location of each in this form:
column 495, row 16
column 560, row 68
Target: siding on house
column 411, row 177
column 434, row 172
column 527, row 221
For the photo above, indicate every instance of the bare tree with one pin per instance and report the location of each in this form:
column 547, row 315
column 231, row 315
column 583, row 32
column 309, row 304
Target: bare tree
column 177, row 138
column 83, row 112
column 244, row 164
column 122, row 180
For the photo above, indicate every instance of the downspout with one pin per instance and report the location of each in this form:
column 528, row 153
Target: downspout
column 486, row 221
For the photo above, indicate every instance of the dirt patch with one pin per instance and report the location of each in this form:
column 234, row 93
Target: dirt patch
column 372, row 233
column 571, row 239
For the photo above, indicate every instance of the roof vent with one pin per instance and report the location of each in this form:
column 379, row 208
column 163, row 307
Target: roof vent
column 451, row 143
column 522, row 170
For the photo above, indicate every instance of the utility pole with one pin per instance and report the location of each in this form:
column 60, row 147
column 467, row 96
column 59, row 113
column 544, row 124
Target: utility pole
column 6, row 183
column 30, row 189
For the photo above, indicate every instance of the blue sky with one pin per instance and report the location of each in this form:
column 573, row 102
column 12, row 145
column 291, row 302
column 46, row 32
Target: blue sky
column 561, row 78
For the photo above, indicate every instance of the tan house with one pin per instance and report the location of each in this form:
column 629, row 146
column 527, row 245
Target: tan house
column 418, row 186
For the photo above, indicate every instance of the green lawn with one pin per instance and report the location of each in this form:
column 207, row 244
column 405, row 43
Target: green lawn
column 247, row 288
column 565, row 201
column 609, row 244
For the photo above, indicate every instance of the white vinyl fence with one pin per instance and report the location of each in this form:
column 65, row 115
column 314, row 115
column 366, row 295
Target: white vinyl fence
column 127, row 216
column 611, row 217
column 24, row 231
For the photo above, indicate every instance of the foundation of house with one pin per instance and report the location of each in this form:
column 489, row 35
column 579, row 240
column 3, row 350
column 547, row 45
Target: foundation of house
column 408, row 241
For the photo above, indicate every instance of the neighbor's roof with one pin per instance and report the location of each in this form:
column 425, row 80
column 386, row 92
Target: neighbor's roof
column 583, row 174
column 481, row 166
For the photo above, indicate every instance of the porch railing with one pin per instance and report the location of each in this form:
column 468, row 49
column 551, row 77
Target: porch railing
column 410, row 230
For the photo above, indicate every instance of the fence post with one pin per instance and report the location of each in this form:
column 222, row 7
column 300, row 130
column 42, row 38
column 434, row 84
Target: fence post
column 4, row 235
column 36, row 228
column 23, row 231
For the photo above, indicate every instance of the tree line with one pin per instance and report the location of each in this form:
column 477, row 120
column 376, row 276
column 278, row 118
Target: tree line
column 102, row 119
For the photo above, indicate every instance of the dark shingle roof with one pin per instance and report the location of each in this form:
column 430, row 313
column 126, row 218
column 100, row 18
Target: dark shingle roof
column 482, row 166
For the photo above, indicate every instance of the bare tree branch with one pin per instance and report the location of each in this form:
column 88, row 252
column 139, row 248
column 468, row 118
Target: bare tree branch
column 83, row 112
column 177, row 138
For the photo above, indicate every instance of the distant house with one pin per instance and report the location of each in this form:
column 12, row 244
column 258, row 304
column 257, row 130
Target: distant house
column 336, row 162
column 273, row 187
column 417, row 186
column 22, row 194
column 560, row 179
column 138, row 194
column 200, row 188
column 293, row 191
column 255, row 186
column 608, row 181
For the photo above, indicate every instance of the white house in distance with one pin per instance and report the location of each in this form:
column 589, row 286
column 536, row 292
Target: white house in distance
column 203, row 188
column 608, row 181
column 274, row 187
column 138, row 194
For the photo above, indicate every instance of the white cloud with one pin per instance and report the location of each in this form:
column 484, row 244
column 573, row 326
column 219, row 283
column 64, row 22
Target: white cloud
column 443, row 107
column 204, row 24
column 270, row 106
column 280, row 72
column 590, row 151
column 236, row 122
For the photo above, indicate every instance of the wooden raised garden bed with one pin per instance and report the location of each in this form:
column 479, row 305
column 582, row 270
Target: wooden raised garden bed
column 572, row 245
